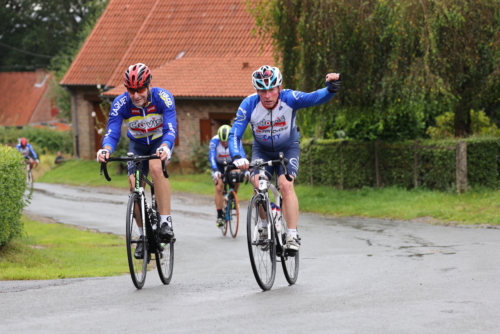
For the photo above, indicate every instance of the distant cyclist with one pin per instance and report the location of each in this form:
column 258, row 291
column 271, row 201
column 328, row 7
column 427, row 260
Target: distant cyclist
column 218, row 153
column 272, row 112
column 28, row 152
column 150, row 115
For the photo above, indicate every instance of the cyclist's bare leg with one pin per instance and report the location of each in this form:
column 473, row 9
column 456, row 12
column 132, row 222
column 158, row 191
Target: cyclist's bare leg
column 218, row 194
column 290, row 207
column 138, row 218
column 236, row 187
column 162, row 187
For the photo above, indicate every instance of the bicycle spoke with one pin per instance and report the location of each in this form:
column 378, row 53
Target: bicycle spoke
column 262, row 252
column 137, row 266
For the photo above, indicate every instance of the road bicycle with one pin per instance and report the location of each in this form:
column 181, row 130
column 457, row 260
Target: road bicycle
column 264, row 251
column 29, row 177
column 231, row 205
column 139, row 213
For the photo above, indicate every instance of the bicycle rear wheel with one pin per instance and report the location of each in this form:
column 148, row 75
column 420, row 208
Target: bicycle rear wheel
column 262, row 252
column 233, row 206
column 290, row 263
column 165, row 262
column 138, row 267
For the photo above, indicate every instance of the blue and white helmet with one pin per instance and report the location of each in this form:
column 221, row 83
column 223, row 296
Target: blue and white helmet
column 266, row 77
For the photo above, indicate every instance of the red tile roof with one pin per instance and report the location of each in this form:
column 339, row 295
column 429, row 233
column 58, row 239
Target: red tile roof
column 155, row 32
column 205, row 76
column 20, row 96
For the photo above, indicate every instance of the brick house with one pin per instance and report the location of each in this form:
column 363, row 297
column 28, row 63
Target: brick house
column 202, row 51
column 29, row 101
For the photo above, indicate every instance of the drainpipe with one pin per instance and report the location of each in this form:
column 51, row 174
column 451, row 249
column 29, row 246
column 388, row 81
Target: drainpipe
column 75, row 124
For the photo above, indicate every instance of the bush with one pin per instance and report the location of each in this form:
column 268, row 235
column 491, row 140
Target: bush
column 12, row 186
column 43, row 140
column 431, row 163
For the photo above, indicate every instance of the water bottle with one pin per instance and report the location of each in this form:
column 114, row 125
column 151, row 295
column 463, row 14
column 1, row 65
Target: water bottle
column 276, row 214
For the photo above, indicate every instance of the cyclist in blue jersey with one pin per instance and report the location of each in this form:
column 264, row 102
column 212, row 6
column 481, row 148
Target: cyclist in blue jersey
column 272, row 113
column 217, row 154
column 150, row 115
column 28, row 152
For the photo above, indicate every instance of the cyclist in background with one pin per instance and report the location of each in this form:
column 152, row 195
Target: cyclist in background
column 218, row 153
column 272, row 113
column 150, row 115
column 28, row 152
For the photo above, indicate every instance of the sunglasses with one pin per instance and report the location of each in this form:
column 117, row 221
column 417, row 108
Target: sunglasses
column 139, row 90
column 262, row 75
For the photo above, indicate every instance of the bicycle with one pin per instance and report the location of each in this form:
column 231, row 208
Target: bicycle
column 264, row 251
column 231, row 206
column 137, row 207
column 29, row 176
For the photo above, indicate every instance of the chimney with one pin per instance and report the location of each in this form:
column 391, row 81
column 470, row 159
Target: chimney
column 41, row 77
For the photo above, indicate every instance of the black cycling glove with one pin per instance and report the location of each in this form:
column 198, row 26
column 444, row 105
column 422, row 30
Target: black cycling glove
column 333, row 86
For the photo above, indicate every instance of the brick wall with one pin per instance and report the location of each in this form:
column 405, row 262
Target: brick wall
column 189, row 113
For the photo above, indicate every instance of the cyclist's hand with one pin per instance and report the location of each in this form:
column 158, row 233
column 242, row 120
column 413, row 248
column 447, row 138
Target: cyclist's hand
column 333, row 82
column 241, row 163
column 102, row 155
column 164, row 153
column 216, row 175
column 37, row 161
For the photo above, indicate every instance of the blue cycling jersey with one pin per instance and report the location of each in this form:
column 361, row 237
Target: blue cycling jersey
column 217, row 153
column 276, row 129
column 27, row 151
column 156, row 121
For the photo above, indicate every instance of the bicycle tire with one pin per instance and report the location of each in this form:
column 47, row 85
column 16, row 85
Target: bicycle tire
column 262, row 253
column 224, row 228
column 138, row 267
column 290, row 263
column 234, row 206
column 165, row 262
column 29, row 181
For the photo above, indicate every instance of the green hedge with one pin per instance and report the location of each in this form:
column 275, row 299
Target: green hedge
column 43, row 140
column 12, row 186
column 429, row 163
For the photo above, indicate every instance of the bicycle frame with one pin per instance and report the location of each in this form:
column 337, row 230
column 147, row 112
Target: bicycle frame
column 264, row 186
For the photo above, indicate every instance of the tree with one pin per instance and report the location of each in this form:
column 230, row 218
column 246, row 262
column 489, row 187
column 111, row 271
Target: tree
column 403, row 62
column 33, row 32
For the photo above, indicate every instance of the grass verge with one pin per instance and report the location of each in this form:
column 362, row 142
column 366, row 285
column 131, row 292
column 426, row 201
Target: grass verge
column 476, row 207
column 52, row 250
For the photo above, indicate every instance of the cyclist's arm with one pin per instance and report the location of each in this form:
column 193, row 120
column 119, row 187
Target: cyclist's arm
column 239, row 125
column 242, row 150
column 32, row 151
column 113, row 128
column 212, row 153
column 300, row 100
column 169, row 118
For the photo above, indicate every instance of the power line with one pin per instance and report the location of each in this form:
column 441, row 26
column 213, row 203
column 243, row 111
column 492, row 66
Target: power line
column 31, row 53
column 26, row 52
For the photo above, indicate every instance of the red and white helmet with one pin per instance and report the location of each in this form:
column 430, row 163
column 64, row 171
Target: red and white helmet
column 23, row 142
column 266, row 77
column 137, row 76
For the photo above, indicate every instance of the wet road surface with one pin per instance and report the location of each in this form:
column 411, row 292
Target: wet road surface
column 356, row 276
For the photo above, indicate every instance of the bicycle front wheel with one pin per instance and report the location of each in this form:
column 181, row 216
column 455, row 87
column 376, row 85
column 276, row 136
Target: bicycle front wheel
column 137, row 266
column 29, row 181
column 165, row 262
column 233, row 206
column 262, row 251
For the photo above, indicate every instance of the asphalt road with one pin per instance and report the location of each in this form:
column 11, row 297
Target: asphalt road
column 356, row 276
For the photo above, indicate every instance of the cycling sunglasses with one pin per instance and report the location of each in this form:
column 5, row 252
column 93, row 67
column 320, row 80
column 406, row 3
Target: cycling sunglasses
column 263, row 75
column 139, row 90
